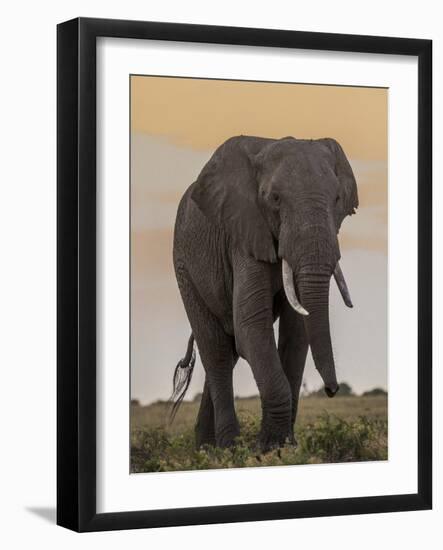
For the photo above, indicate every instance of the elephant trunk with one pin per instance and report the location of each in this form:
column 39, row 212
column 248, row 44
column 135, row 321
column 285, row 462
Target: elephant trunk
column 313, row 290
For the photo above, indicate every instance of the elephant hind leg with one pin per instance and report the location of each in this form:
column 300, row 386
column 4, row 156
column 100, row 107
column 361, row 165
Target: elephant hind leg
column 205, row 425
column 217, row 353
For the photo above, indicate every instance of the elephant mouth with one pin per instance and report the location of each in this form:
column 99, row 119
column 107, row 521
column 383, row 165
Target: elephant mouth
column 288, row 285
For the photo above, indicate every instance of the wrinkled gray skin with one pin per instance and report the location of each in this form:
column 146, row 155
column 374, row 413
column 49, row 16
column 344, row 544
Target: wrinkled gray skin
column 255, row 202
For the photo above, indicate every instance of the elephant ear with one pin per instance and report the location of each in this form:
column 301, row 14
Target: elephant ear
column 348, row 187
column 226, row 191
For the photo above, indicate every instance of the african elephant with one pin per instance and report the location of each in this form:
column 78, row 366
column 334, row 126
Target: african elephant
column 255, row 240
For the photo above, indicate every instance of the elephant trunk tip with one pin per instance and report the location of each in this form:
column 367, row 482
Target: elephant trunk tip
column 331, row 389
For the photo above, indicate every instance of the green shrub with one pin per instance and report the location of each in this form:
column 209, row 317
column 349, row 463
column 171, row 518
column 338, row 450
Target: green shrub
column 332, row 439
column 328, row 439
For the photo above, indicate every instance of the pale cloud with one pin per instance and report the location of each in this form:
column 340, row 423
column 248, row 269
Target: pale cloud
column 160, row 174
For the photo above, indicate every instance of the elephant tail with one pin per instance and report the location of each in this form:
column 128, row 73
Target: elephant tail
column 182, row 378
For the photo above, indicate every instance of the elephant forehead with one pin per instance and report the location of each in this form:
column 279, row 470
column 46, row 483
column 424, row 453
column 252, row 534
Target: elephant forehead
column 306, row 155
column 300, row 170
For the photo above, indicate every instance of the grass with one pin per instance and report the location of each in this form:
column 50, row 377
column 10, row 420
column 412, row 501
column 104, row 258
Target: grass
column 343, row 429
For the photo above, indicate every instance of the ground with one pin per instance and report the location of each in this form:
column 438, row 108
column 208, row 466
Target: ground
column 342, row 429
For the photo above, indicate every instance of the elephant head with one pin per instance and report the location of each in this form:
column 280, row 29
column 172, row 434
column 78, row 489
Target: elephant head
column 286, row 199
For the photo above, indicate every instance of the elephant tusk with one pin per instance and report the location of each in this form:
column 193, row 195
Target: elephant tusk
column 342, row 286
column 288, row 285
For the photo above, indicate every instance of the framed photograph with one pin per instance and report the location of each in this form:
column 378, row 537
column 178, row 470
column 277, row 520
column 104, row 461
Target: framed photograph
column 244, row 274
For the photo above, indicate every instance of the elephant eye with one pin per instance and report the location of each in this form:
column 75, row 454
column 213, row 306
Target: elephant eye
column 337, row 199
column 275, row 197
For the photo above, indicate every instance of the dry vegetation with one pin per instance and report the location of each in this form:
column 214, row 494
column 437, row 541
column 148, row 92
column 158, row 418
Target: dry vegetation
column 343, row 429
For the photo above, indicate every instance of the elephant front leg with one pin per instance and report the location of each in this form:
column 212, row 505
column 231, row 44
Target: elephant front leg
column 274, row 389
column 255, row 342
column 292, row 348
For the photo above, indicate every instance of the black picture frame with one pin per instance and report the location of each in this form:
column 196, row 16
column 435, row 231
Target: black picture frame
column 76, row 273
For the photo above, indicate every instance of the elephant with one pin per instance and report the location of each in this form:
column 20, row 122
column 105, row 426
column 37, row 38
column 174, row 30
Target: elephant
column 256, row 240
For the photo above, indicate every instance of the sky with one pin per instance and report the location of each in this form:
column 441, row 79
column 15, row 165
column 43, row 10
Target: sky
column 176, row 124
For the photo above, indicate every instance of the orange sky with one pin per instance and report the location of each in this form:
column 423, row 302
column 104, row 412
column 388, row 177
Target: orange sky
column 201, row 114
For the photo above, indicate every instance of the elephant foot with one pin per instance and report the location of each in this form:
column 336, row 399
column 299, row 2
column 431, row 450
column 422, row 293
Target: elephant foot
column 275, row 436
column 204, row 436
column 226, row 436
column 203, row 440
column 269, row 442
column 291, row 440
